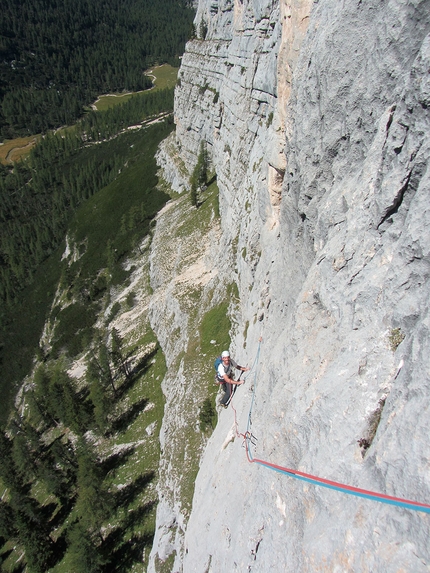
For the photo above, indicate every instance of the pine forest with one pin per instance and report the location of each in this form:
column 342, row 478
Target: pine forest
column 91, row 179
column 56, row 56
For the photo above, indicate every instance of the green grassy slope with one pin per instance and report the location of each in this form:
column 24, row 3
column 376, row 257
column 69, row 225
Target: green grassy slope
column 98, row 221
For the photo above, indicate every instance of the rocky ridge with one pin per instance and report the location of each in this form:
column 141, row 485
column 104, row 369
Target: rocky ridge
column 316, row 119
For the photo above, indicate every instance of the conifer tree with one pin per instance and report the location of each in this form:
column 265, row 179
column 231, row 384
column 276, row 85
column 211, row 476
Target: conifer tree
column 94, row 503
column 38, row 546
column 99, row 365
column 85, row 555
column 105, row 366
column 7, row 521
column 38, row 398
column 111, row 256
column 98, row 395
column 23, row 457
column 194, row 194
column 202, row 165
column 200, row 174
column 8, row 471
column 28, row 519
column 203, row 29
column 117, row 353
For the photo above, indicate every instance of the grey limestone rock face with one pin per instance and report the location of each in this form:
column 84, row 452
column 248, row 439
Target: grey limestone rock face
column 317, row 120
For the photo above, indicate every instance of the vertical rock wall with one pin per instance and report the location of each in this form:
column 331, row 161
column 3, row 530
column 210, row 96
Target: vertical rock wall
column 316, row 117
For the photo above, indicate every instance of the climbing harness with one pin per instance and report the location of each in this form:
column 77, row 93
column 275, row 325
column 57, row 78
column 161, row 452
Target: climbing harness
column 233, row 391
column 251, row 440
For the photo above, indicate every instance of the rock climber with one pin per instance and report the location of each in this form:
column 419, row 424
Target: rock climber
column 225, row 376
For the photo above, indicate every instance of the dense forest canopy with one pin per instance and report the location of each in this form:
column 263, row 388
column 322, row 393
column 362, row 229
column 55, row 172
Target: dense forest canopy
column 111, row 187
column 64, row 505
column 38, row 197
column 57, row 55
column 61, row 507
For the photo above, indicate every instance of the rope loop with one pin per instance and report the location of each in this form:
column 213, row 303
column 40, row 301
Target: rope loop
column 249, row 439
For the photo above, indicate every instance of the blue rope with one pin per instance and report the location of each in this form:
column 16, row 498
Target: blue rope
column 315, row 480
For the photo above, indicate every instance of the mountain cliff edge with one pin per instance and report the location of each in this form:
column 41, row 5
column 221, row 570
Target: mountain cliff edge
column 316, row 120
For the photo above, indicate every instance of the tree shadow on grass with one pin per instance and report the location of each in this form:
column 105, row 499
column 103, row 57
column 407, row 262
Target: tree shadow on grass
column 211, row 180
column 139, row 370
column 145, row 363
column 47, row 510
column 65, row 509
column 130, row 552
column 5, row 554
column 127, row 417
column 59, row 550
column 116, row 460
column 19, row 568
column 202, row 195
column 128, row 494
column 122, row 554
column 138, row 516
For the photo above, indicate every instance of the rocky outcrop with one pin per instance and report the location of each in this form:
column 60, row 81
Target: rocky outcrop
column 316, row 119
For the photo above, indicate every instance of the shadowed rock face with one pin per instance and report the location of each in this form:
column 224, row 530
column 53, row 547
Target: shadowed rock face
column 317, row 121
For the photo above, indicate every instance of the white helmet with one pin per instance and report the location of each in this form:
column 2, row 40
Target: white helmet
column 225, row 354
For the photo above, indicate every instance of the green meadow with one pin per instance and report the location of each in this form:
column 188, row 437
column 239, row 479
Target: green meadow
column 164, row 76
